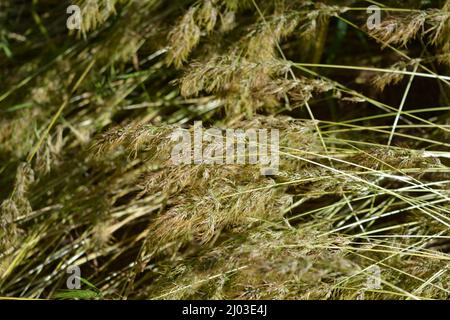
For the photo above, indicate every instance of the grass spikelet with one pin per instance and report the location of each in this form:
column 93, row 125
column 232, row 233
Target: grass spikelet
column 183, row 38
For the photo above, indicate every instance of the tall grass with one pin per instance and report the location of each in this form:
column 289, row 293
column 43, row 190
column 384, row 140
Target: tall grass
column 86, row 118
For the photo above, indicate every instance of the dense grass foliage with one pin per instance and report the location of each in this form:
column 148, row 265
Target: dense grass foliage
column 86, row 116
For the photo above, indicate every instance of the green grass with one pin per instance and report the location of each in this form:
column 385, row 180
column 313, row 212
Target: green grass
column 86, row 179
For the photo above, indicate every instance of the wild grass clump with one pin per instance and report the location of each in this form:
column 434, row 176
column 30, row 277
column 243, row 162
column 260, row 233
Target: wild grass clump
column 358, row 210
